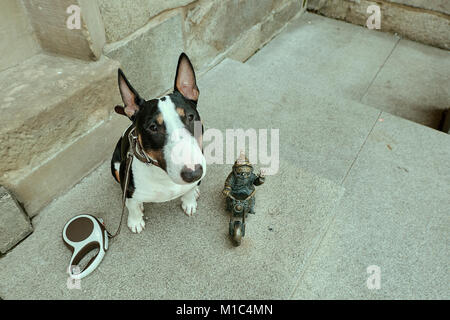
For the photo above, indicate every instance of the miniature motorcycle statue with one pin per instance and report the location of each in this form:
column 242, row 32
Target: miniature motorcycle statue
column 240, row 191
column 239, row 211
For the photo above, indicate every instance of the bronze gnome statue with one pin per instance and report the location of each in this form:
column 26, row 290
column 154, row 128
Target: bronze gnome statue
column 240, row 192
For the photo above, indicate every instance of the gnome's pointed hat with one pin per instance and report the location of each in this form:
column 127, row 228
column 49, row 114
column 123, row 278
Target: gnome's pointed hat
column 242, row 161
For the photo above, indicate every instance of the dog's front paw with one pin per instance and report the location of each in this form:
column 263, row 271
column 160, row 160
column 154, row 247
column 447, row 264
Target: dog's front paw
column 136, row 225
column 189, row 206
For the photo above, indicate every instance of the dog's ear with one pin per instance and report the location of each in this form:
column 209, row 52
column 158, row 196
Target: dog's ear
column 185, row 81
column 120, row 110
column 130, row 97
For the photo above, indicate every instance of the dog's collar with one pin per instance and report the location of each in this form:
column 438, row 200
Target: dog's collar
column 137, row 150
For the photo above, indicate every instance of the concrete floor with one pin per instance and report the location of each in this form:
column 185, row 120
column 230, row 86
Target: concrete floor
column 357, row 187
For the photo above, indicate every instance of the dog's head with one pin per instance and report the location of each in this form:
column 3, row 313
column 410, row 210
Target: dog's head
column 169, row 129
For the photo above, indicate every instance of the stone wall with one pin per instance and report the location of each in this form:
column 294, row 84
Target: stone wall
column 122, row 18
column 49, row 21
column 442, row 6
column 212, row 27
column 17, row 38
column 147, row 36
column 426, row 21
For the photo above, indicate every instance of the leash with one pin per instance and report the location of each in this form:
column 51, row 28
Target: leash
column 135, row 149
column 129, row 161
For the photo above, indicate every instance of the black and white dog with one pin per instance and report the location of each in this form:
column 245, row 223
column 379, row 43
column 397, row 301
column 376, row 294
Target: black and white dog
column 165, row 131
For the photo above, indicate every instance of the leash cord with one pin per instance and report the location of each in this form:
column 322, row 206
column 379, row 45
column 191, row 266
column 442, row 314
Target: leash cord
column 125, row 189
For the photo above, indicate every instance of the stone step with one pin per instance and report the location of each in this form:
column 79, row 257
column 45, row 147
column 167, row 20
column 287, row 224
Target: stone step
column 423, row 21
column 314, row 54
column 15, row 224
column 55, row 125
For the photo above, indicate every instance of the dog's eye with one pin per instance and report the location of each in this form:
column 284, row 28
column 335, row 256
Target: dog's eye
column 153, row 127
column 190, row 117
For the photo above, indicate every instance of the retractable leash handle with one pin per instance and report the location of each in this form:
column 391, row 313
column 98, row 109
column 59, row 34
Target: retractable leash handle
column 82, row 234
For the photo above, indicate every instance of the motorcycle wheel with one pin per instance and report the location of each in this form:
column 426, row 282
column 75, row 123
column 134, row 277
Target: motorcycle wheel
column 237, row 233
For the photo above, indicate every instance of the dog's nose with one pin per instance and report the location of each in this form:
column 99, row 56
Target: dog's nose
column 189, row 175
